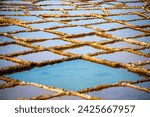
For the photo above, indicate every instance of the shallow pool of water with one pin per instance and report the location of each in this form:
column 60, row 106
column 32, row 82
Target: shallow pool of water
column 81, row 22
column 124, row 17
column 22, row 91
column 91, row 38
column 122, row 45
column 57, row 7
column 46, row 25
column 139, row 22
column 35, row 35
column 147, row 66
column 124, row 11
column 145, row 51
column 82, row 50
column 26, row 18
column 5, row 39
column 124, row 33
column 135, row 4
column 144, row 85
column 40, row 56
column 44, row 12
column 51, row 43
column 74, row 30
column 124, row 57
column 67, row 98
column 75, row 75
column 12, row 48
column 51, row 2
column 10, row 12
column 2, row 82
column 11, row 28
column 121, row 93
column 143, row 39
column 85, row 12
column 107, row 26
column 4, row 63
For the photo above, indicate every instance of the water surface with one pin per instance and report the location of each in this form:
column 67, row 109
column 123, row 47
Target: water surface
column 2, row 82
column 51, row 43
column 11, row 28
column 35, row 35
column 82, row 50
column 122, row 45
column 4, row 63
column 40, row 56
column 12, row 48
column 5, row 39
column 124, row 57
column 75, row 75
column 91, row 38
column 67, row 98
column 144, row 85
column 121, row 93
column 22, row 91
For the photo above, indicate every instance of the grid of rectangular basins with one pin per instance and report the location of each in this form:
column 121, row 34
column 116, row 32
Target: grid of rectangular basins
column 74, row 49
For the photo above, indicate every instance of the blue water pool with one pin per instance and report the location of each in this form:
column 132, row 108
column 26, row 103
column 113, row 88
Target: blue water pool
column 75, row 75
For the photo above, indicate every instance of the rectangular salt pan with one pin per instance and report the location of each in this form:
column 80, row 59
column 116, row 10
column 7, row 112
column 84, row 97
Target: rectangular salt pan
column 124, row 33
column 22, row 92
column 107, row 26
column 11, row 28
column 124, row 17
column 139, row 22
column 145, row 51
column 40, row 56
column 5, row 39
column 2, row 82
column 147, row 66
column 57, row 7
column 82, row 50
column 26, row 18
column 75, row 75
column 51, row 43
column 121, row 93
column 4, row 63
column 143, row 39
column 46, row 25
column 35, row 35
column 123, row 57
column 122, row 45
column 91, row 38
column 144, row 84
column 44, row 12
column 114, row 11
column 12, row 48
column 67, row 98
column 74, row 30
column 85, row 12
column 81, row 22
